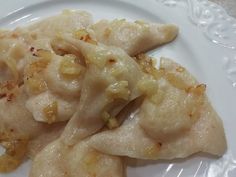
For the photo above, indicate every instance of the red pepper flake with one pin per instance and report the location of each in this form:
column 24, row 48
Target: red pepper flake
column 9, row 85
column 2, row 95
column 111, row 61
column 10, row 97
column 31, row 49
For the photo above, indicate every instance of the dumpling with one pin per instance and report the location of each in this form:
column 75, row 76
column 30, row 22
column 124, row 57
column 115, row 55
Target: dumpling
column 137, row 138
column 176, row 103
column 107, row 87
column 127, row 140
column 53, row 84
column 14, row 103
column 64, row 76
column 18, row 128
column 80, row 160
column 133, row 37
column 66, row 22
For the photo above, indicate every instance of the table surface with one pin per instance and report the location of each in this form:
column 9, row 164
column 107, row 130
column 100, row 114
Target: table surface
column 229, row 6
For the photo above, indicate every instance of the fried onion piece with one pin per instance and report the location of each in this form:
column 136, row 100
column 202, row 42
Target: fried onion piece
column 15, row 151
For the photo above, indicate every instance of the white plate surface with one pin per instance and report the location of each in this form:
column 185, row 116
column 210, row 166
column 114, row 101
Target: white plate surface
column 206, row 46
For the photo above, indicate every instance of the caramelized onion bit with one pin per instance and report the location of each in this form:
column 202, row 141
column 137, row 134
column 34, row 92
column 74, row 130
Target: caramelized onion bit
column 36, row 85
column 14, row 154
column 148, row 86
column 110, row 121
column 180, row 69
column 34, row 81
column 118, row 90
column 36, row 67
column 50, row 112
column 176, row 81
column 44, row 54
column 197, row 90
column 69, row 68
column 83, row 35
column 147, row 64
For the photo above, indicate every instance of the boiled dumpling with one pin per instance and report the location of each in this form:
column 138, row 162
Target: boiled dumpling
column 176, row 103
column 80, row 160
column 107, row 87
column 137, row 137
column 17, row 112
column 133, row 37
column 66, row 22
column 18, row 129
column 64, row 76
column 53, row 84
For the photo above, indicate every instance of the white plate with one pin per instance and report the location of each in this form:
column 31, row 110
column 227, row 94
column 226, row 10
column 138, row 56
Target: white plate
column 206, row 45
